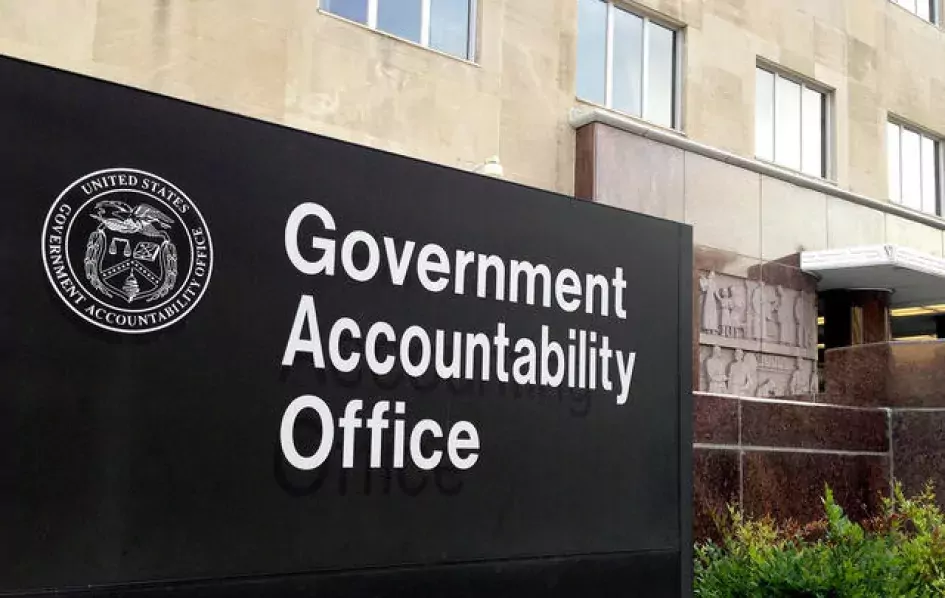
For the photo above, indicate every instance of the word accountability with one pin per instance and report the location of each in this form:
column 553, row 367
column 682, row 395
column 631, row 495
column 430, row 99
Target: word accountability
column 572, row 358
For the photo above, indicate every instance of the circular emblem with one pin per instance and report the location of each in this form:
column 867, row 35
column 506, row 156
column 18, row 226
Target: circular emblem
column 127, row 250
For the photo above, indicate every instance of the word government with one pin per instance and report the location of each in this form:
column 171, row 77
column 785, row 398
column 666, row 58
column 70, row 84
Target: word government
column 574, row 358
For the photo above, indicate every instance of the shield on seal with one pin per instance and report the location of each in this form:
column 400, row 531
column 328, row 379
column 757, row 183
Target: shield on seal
column 130, row 255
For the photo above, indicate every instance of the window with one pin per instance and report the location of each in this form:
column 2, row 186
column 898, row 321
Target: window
column 626, row 62
column 914, row 168
column 924, row 9
column 790, row 123
column 444, row 25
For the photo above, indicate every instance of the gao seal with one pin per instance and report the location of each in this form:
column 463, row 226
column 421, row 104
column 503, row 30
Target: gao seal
column 127, row 250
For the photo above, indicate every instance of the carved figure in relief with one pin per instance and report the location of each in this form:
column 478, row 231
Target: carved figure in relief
column 800, row 380
column 739, row 305
column 710, row 303
column 770, row 305
column 715, row 371
column 755, row 309
column 804, row 316
column 751, row 362
column 741, row 375
column 726, row 303
column 768, row 388
column 814, row 380
column 785, row 315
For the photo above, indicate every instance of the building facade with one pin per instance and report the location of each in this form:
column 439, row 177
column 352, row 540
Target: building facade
column 802, row 139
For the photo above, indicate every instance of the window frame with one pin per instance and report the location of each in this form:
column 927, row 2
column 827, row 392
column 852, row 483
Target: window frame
column 934, row 11
column 939, row 161
column 472, row 42
column 828, row 166
column 648, row 18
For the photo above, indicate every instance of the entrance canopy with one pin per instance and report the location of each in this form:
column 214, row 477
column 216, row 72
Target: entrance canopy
column 916, row 279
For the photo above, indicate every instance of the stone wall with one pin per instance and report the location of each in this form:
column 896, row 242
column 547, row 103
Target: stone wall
column 774, row 458
column 285, row 61
column 742, row 218
column 288, row 62
column 756, row 338
column 882, row 419
column 876, row 56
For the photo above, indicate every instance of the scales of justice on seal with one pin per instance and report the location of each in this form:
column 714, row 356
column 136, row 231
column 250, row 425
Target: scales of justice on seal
column 131, row 254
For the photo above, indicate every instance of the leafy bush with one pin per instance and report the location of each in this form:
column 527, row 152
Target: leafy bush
column 900, row 553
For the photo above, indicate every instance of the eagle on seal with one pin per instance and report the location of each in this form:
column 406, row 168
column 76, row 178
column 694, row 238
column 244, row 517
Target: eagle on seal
column 119, row 217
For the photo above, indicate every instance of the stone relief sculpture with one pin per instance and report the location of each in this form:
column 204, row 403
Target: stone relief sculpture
column 785, row 315
column 715, row 370
column 748, row 309
column 739, row 314
column 800, row 380
column 768, row 388
column 710, row 303
column 741, row 375
column 756, row 339
column 755, row 309
column 770, row 304
column 801, row 319
column 814, row 381
column 726, row 303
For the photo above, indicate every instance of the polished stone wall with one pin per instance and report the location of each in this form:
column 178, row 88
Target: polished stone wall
column 774, row 458
column 908, row 379
column 882, row 419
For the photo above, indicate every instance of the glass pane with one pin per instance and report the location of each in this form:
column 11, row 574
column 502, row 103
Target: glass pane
column 400, row 18
column 661, row 58
column 911, row 170
column 628, row 63
column 812, row 133
column 592, row 51
column 764, row 115
column 893, row 156
column 907, row 4
column 929, row 176
column 449, row 26
column 356, row 10
column 924, row 9
column 787, row 136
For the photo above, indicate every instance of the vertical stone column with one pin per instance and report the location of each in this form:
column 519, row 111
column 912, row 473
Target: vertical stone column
column 856, row 317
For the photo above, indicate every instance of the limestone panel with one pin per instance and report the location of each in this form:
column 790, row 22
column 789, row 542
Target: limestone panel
column 722, row 202
column 829, row 45
column 793, row 219
column 868, row 26
column 53, row 31
column 851, row 225
column 914, row 235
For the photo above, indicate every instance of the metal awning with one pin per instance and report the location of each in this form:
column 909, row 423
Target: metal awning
column 914, row 277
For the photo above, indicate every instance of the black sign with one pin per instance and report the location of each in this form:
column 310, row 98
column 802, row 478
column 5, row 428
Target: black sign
column 240, row 359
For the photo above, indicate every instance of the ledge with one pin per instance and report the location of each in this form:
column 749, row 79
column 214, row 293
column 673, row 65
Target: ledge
column 586, row 115
column 915, row 278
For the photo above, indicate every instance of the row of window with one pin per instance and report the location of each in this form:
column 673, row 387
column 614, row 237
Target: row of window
column 444, row 25
column 631, row 63
column 924, row 9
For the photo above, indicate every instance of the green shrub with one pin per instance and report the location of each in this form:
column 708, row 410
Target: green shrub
column 900, row 553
